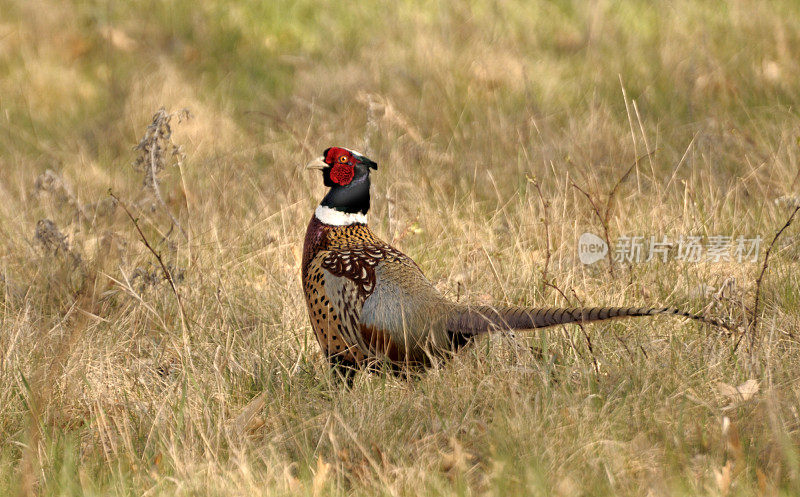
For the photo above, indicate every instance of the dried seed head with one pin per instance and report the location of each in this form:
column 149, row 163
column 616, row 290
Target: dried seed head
column 53, row 241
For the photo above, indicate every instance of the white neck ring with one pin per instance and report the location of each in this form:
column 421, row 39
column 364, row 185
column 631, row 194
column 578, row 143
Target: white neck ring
column 333, row 217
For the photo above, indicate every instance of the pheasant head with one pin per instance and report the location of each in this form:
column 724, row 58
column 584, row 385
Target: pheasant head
column 346, row 173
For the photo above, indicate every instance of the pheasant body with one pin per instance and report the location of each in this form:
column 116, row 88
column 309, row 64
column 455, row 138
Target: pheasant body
column 353, row 282
column 368, row 302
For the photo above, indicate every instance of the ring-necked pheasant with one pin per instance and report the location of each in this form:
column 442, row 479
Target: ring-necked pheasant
column 370, row 302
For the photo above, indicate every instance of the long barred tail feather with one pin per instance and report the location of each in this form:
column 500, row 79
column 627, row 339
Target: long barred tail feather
column 476, row 320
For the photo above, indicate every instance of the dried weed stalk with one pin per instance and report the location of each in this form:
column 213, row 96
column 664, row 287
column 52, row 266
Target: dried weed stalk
column 165, row 270
column 546, row 223
column 157, row 151
column 606, row 214
column 756, row 299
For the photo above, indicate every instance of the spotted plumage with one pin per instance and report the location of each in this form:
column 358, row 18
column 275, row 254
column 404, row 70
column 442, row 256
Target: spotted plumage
column 368, row 302
column 338, row 276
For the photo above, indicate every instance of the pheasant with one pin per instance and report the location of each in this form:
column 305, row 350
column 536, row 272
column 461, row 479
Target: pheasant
column 370, row 303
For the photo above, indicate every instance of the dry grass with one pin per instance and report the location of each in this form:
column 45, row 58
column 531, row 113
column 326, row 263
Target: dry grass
column 484, row 118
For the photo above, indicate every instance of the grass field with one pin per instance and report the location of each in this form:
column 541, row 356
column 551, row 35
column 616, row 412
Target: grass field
column 502, row 131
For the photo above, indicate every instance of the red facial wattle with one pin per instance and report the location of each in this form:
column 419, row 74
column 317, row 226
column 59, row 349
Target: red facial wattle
column 342, row 173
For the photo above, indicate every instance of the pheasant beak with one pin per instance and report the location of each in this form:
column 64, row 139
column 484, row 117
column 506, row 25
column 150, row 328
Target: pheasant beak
column 318, row 163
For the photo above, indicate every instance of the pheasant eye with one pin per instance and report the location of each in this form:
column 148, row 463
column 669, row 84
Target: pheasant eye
column 343, row 159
